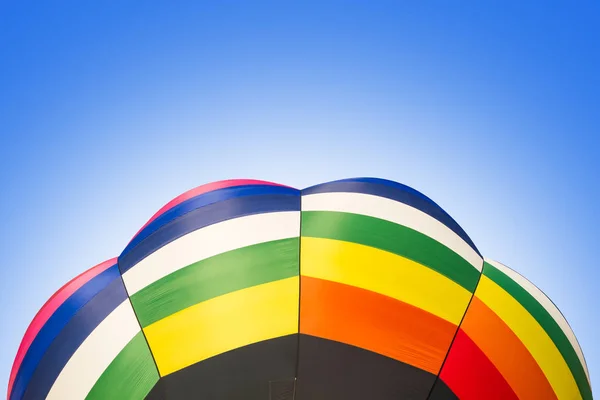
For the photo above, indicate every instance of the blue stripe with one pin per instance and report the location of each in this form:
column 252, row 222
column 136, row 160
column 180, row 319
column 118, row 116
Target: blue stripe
column 211, row 214
column 55, row 325
column 204, row 200
column 394, row 191
column 71, row 337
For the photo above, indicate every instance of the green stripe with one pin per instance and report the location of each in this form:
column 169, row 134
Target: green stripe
column 391, row 237
column 130, row 376
column 215, row 276
column 546, row 321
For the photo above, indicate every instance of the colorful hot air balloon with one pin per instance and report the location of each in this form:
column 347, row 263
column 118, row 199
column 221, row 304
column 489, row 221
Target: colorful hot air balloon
column 354, row 289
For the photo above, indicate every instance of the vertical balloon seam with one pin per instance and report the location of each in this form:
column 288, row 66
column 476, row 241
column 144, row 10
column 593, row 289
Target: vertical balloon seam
column 250, row 315
column 503, row 347
column 296, row 382
column 547, row 323
column 513, row 293
column 477, row 267
column 137, row 311
column 139, row 324
column 334, row 370
column 472, row 375
column 157, row 215
column 283, row 203
column 437, row 378
column 519, row 286
column 511, row 328
column 130, row 375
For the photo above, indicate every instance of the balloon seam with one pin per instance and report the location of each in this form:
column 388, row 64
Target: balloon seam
column 141, row 328
column 437, row 377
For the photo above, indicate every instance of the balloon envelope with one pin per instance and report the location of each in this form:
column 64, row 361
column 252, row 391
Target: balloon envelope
column 354, row 289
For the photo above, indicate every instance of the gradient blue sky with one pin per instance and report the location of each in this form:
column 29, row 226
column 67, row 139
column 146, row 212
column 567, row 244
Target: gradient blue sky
column 110, row 109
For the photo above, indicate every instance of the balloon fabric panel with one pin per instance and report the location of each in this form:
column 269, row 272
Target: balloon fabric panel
column 353, row 289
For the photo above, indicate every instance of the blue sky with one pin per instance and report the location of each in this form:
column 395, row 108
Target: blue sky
column 110, row 109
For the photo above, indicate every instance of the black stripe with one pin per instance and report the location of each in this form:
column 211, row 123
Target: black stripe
column 251, row 372
column 331, row 370
column 441, row 391
column 158, row 391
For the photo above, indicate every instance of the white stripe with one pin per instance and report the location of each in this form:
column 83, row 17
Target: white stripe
column 393, row 211
column 210, row 241
column 95, row 354
column 547, row 304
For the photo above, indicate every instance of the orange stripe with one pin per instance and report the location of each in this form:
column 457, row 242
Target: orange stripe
column 374, row 322
column 506, row 352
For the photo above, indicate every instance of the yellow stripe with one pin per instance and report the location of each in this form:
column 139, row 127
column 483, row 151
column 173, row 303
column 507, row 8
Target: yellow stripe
column 533, row 336
column 224, row 323
column 385, row 273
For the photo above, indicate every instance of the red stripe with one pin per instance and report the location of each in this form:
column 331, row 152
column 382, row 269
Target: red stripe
column 49, row 308
column 209, row 187
column 471, row 375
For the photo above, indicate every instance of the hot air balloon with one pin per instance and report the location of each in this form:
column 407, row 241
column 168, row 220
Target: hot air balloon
column 354, row 289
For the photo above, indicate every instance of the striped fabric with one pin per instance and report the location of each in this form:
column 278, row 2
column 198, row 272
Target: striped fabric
column 524, row 342
column 353, row 289
column 85, row 343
